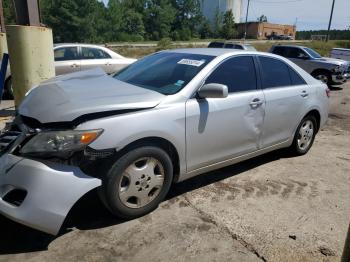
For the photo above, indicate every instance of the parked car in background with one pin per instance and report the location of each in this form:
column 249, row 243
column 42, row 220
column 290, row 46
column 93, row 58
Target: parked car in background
column 164, row 119
column 76, row 57
column 329, row 70
column 232, row 45
column 275, row 36
column 340, row 53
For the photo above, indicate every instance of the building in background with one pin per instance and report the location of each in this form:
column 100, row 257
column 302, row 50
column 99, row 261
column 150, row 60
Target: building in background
column 211, row 7
column 262, row 30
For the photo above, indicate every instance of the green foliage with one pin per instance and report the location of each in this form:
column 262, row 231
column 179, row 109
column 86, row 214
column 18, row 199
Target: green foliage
column 127, row 20
column 163, row 44
column 228, row 27
column 9, row 13
column 159, row 17
column 262, row 19
column 218, row 23
column 334, row 34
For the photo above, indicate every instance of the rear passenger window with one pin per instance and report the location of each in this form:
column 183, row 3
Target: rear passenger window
column 275, row 73
column 296, row 78
column 237, row 73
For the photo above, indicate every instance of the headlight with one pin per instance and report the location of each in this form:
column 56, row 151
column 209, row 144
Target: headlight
column 336, row 69
column 59, row 143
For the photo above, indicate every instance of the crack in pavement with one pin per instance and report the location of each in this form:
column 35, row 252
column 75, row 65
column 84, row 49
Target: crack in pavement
column 210, row 219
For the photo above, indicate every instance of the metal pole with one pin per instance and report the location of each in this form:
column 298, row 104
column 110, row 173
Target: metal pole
column 330, row 21
column 246, row 21
column 2, row 20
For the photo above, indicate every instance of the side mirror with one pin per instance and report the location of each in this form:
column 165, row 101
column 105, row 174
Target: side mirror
column 213, row 91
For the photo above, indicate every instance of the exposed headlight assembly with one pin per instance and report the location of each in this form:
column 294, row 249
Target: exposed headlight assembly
column 60, row 143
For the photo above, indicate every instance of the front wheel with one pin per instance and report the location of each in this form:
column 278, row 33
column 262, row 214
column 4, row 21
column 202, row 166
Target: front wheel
column 324, row 77
column 304, row 136
column 137, row 182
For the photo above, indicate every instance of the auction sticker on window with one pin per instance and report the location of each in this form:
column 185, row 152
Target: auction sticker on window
column 191, row 62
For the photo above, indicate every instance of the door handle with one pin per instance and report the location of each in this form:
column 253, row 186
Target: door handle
column 304, row 94
column 74, row 65
column 256, row 102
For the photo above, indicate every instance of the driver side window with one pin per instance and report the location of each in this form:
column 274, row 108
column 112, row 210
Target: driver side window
column 237, row 73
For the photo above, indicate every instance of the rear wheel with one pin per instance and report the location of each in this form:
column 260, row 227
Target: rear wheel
column 137, row 182
column 304, row 136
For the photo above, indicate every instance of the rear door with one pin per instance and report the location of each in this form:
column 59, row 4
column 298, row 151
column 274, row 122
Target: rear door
column 220, row 129
column 286, row 95
column 67, row 60
column 95, row 57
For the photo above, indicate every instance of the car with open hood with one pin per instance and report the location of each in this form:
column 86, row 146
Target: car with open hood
column 164, row 119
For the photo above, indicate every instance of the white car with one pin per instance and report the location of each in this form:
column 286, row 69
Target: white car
column 71, row 58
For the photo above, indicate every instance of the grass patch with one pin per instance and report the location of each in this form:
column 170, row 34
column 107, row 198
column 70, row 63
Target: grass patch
column 324, row 48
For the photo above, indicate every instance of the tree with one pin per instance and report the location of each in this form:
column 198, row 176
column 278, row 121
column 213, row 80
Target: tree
column 159, row 16
column 262, row 19
column 228, row 28
column 217, row 23
column 205, row 29
column 188, row 17
column 132, row 23
column 9, row 12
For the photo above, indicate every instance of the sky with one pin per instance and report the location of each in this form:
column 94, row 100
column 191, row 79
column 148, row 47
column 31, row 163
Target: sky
column 309, row 14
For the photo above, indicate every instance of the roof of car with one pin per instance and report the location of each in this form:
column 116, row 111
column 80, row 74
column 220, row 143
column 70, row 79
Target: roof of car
column 207, row 51
column 74, row 44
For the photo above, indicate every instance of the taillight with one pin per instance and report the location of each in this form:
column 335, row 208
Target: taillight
column 328, row 92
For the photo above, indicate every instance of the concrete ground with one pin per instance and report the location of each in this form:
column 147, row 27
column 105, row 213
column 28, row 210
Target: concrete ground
column 271, row 208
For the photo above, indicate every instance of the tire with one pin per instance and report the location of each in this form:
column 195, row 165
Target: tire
column 139, row 191
column 304, row 136
column 324, row 77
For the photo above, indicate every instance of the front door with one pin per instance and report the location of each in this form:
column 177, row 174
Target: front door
column 67, row 60
column 224, row 128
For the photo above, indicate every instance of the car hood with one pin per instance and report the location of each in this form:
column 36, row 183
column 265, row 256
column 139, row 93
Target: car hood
column 65, row 98
column 334, row 61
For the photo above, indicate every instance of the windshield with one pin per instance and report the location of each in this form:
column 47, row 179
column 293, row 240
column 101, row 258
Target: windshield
column 313, row 53
column 166, row 73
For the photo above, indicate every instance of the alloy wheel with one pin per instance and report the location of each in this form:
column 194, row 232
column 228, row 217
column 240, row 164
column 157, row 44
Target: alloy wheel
column 305, row 135
column 141, row 182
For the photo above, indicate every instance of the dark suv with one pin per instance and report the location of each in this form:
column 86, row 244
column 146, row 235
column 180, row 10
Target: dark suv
column 329, row 70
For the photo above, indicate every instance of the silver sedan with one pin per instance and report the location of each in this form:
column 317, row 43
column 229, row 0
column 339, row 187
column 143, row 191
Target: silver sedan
column 164, row 119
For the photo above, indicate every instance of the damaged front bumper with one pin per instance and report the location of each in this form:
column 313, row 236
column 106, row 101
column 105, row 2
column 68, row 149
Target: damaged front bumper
column 40, row 194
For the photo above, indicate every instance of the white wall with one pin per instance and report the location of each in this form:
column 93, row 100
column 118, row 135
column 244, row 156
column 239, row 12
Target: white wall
column 209, row 8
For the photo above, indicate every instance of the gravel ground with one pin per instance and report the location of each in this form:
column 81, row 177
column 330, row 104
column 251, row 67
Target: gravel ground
column 271, row 208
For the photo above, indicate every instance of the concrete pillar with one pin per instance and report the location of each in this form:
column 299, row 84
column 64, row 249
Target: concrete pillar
column 31, row 57
column 3, row 44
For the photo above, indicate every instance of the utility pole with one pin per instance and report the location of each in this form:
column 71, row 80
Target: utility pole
column 246, row 21
column 330, row 22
